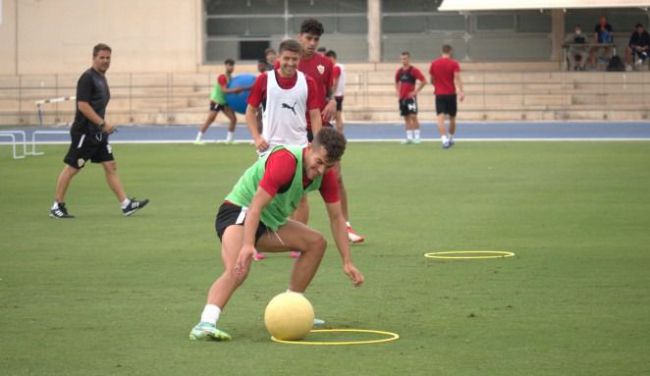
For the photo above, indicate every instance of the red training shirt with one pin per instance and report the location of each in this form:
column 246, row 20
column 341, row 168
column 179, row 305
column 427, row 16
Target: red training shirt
column 222, row 80
column 257, row 95
column 407, row 78
column 442, row 75
column 280, row 170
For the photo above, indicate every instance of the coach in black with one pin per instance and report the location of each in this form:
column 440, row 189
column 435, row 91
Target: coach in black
column 89, row 134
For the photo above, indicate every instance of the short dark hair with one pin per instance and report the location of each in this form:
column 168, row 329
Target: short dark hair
column 333, row 142
column 268, row 51
column 638, row 25
column 229, row 61
column 101, row 47
column 406, row 53
column 290, row 45
column 330, row 53
column 312, row 26
column 446, row 48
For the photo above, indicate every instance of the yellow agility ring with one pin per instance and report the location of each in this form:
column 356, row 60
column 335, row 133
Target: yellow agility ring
column 462, row 255
column 390, row 337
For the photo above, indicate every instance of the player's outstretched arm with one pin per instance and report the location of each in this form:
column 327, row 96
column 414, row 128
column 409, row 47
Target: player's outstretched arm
column 339, row 232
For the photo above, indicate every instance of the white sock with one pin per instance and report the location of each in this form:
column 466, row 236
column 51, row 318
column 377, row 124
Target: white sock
column 211, row 313
column 198, row 136
column 230, row 136
column 125, row 203
column 416, row 133
column 295, row 292
column 409, row 135
column 347, row 223
column 55, row 205
column 444, row 139
column 451, row 137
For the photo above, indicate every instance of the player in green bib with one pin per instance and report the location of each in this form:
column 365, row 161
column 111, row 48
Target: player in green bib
column 255, row 215
column 218, row 104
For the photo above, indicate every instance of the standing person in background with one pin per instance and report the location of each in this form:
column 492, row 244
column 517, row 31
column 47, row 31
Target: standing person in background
column 270, row 56
column 89, row 137
column 445, row 77
column 321, row 69
column 405, row 80
column 339, row 88
column 218, row 103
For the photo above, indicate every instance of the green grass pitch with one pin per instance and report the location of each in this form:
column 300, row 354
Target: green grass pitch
column 107, row 295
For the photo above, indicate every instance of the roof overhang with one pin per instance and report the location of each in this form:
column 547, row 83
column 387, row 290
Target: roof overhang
column 491, row 5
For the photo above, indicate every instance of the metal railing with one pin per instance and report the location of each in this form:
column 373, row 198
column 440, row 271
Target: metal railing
column 173, row 98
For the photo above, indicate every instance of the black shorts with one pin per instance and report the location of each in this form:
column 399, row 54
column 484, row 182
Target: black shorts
column 339, row 103
column 310, row 135
column 446, row 104
column 216, row 107
column 408, row 106
column 84, row 146
column 231, row 214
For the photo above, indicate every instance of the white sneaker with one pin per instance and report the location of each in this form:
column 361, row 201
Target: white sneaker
column 353, row 237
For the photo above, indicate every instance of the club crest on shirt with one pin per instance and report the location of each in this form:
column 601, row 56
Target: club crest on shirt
column 321, row 68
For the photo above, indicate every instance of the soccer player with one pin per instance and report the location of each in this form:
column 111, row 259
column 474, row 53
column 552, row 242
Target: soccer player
column 445, row 77
column 255, row 215
column 339, row 88
column 218, row 103
column 321, row 69
column 289, row 100
column 89, row 137
column 405, row 79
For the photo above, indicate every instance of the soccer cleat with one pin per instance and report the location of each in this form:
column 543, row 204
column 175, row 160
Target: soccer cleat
column 134, row 205
column 205, row 331
column 445, row 145
column 199, row 142
column 417, row 141
column 60, row 212
column 353, row 237
column 259, row 256
column 407, row 141
column 452, row 142
column 294, row 254
column 318, row 322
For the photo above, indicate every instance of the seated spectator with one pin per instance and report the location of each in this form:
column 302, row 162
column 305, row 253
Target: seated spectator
column 577, row 49
column 604, row 34
column 637, row 49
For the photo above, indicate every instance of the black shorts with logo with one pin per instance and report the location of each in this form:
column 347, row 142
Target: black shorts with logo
column 230, row 214
column 339, row 103
column 446, row 104
column 408, row 106
column 216, row 107
column 85, row 146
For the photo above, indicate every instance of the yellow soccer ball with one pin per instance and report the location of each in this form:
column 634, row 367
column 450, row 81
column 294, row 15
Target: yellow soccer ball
column 289, row 316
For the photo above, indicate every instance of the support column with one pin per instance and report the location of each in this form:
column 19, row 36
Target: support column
column 374, row 31
column 557, row 34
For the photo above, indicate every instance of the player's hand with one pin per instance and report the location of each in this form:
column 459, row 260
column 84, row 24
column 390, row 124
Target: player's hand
column 261, row 144
column 461, row 96
column 238, row 90
column 108, row 128
column 413, row 94
column 354, row 274
column 244, row 260
column 329, row 110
